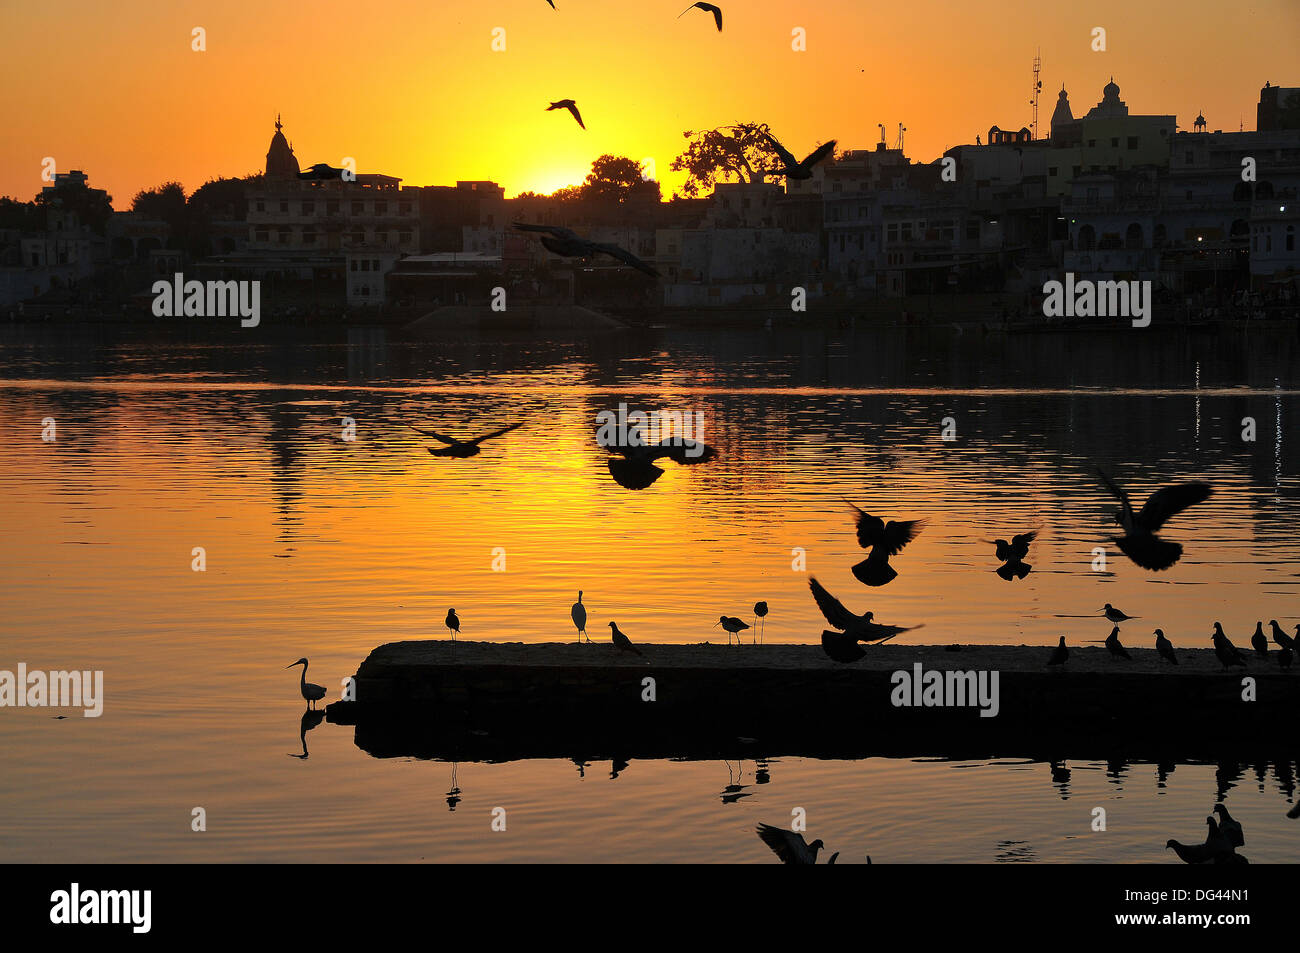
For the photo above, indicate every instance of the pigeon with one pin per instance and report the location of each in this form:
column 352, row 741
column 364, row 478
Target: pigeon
column 1113, row 646
column 1059, row 654
column 461, row 448
column 571, row 106
column 793, row 169
column 1140, row 542
column 1215, row 847
column 452, row 622
column 1283, row 640
column 883, row 540
column 1229, row 827
column 1164, row 647
column 860, row 627
column 790, row 847
column 621, row 641
column 1224, row 649
column 568, row 244
column 1258, row 642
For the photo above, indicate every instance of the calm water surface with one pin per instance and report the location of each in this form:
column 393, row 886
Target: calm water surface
column 323, row 547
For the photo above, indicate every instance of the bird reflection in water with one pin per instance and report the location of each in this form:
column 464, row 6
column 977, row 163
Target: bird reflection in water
column 616, row 767
column 1061, row 778
column 310, row 719
column 735, row 790
column 453, row 795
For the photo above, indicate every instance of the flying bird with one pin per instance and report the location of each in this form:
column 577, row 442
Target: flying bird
column 579, row 614
column 310, row 693
column 461, row 448
column 884, row 540
column 571, row 106
column 621, row 641
column 1229, row 827
column 1258, row 642
column 1140, row 542
column 840, row 647
column 1224, row 649
column 860, row 628
column 1165, row 648
column 568, row 244
column 733, row 626
column 322, row 170
column 1013, row 555
column 792, row 168
column 790, row 847
column 1115, row 615
column 452, row 622
column 552, row 3
column 1059, row 654
column 635, row 467
column 707, row 8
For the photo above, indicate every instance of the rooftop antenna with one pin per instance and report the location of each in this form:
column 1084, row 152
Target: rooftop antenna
column 1038, row 88
column 882, row 132
column 901, row 129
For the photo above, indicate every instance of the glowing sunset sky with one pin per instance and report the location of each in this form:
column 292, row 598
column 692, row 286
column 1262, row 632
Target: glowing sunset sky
column 414, row 89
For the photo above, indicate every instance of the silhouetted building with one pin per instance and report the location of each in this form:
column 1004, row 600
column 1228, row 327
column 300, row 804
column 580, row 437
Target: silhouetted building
column 1279, row 108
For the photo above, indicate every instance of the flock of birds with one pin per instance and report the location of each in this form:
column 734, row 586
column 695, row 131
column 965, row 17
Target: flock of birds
column 568, row 244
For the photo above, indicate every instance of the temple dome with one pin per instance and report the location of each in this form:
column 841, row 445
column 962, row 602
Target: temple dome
column 280, row 161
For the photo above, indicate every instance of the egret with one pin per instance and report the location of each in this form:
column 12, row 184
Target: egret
column 621, row 641
column 760, row 612
column 452, row 622
column 461, row 448
column 1140, row 542
column 571, row 106
column 310, row 693
column 884, row 540
column 733, row 626
column 569, row 244
column 579, row 613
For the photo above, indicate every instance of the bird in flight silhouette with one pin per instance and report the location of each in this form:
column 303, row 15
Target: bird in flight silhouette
column 634, row 467
column 1140, row 542
column 793, row 168
column 860, row 628
column 571, row 106
column 707, row 8
column 569, row 244
column 460, row 448
column 884, row 540
column 790, row 847
column 1013, row 555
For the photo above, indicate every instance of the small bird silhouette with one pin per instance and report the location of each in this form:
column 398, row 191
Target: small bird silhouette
column 733, row 626
column 621, row 641
column 579, row 614
column 452, row 622
column 1059, row 654
column 461, row 448
column 1258, row 641
column 569, row 244
column 795, row 169
column 1215, row 847
column 860, row 627
column 883, row 540
column 840, row 647
column 1013, row 555
column 1164, row 647
column 1114, row 615
column 1113, row 646
column 760, row 613
column 1224, row 649
column 1229, row 827
column 707, row 8
column 311, row 693
column 790, row 847
column 571, row 106
column 1140, row 542
column 1283, row 640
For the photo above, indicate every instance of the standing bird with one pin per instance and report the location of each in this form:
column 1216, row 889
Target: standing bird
column 789, row 846
column 860, row 628
column 461, row 448
column 1114, row 615
column 310, row 693
column 793, row 169
column 1059, row 654
column 569, row 244
column 621, row 641
column 1216, row 846
column 1283, row 640
column 1165, row 648
column 733, row 626
column 1113, row 646
column 1140, row 542
column 884, row 540
column 760, row 612
column 707, row 8
column 1258, row 642
column 1224, row 649
column 571, row 106
column 1229, row 827
column 452, row 622
column 579, row 614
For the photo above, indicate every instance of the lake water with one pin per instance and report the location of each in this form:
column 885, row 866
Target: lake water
column 325, row 547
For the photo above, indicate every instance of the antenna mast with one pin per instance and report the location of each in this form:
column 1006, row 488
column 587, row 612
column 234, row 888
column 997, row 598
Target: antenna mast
column 1038, row 88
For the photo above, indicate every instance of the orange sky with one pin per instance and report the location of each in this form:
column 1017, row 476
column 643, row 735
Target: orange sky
column 414, row 89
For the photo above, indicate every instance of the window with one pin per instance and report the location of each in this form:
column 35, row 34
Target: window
column 352, row 265
column 1132, row 142
column 381, row 208
column 309, row 236
column 1290, row 238
column 365, row 264
column 1114, row 142
column 309, row 208
column 261, row 205
column 284, row 205
column 262, row 235
column 358, row 207
column 332, row 207
column 404, row 238
column 404, row 208
column 1052, row 171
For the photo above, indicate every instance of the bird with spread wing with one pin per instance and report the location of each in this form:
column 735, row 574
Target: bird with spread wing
column 460, row 448
column 1140, row 542
column 569, row 244
column 883, row 540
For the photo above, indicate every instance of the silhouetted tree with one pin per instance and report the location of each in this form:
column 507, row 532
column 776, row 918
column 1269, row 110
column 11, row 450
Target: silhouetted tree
column 618, row 179
column 165, row 204
column 740, row 151
column 91, row 206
